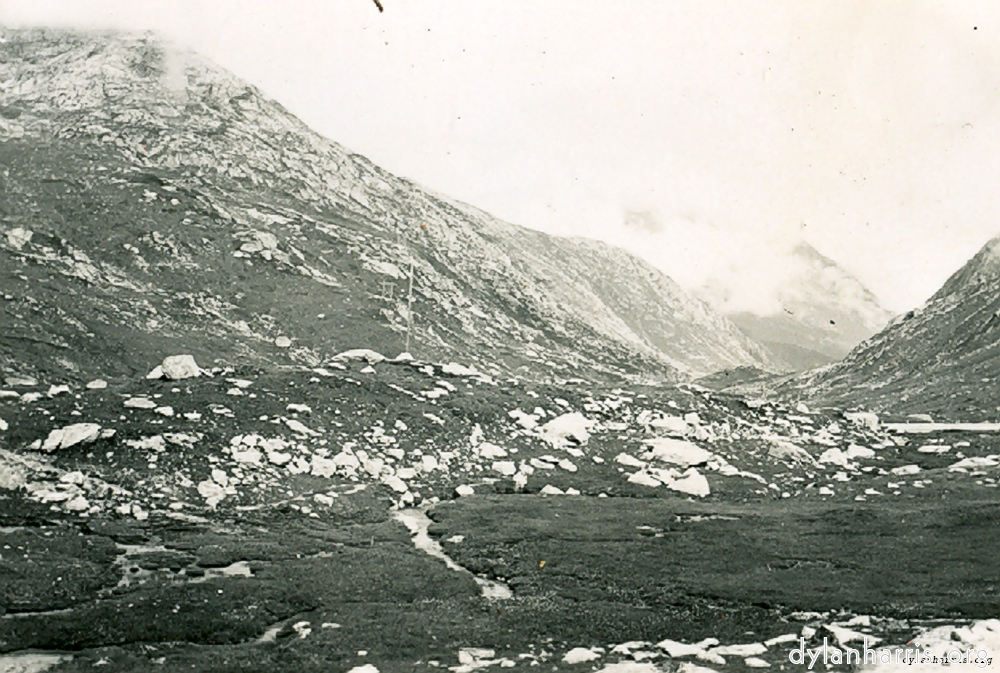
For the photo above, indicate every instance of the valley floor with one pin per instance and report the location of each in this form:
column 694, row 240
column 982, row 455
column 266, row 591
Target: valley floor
column 289, row 566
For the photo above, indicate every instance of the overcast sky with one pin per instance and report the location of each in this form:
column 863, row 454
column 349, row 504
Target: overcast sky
column 869, row 127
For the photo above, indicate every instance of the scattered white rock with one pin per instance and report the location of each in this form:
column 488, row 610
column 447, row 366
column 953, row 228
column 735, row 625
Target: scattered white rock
column 504, row 467
column 567, row 465
column 18, row 237
column 283, row 342
column 347, row 460
column 834, row 457
column 629, row 461
column 784, row 638
column 688, row 667
column 464, row 490
column 973, row 462
column 278, row 457
column 845, row 635
column 298, row 427
column 643, row 478
column 455, row 369
column 365, row 668
column 212, row 492
column 473, row 655
column 571, row 428
column 299, row 408
column 676, row 649
column 580, row 655
column 906, row 469
column 58, row 390
column 855, row 451
column 549, row 489
column 756, row 662
column 176, row 367
column 252, row 456
column 369, row 356
column 21, row 381
column 323, row 467
column 692, row 483
column 746, row 650
column 71, row 435
column 77, row 504
column 488, row 450
column 140, row 403
column 676, row 452
column 97, row 384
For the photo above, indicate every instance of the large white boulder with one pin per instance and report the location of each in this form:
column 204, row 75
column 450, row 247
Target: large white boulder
column 692, row 483
column 573, row 427
column 177, row 367
column 370, row 356
column 71, row 435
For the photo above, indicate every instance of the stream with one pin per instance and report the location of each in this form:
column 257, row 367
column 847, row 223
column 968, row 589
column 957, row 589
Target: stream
column 417, row 522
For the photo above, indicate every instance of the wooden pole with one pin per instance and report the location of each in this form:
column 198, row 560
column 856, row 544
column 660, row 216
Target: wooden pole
column 409, row 306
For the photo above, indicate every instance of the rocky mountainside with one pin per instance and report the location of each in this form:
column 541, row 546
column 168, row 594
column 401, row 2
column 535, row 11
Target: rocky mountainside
column 825, row 312
column 942, row 357
column 151, row 202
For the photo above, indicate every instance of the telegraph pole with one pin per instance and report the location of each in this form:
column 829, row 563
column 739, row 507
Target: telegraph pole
column 409, row 306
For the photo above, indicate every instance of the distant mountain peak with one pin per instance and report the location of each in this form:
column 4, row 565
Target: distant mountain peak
column 818, row 314
column 984, row 266
column 943, row 356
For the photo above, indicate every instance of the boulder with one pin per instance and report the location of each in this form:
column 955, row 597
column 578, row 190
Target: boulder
column 71, row 435
column 177, row 367
column 692, row 483
column 676, row 452
column 569, row 428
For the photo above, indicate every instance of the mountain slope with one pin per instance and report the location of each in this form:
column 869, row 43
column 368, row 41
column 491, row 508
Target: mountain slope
column 943, row 357
column 151, row 202
column 824, row 313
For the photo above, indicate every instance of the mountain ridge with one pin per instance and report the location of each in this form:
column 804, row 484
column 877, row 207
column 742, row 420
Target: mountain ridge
column 936, row 358
column 148, row 183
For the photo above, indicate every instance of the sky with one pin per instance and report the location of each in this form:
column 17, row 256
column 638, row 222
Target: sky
column 707, row 136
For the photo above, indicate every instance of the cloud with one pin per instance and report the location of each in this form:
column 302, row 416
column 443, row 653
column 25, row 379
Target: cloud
column 871, row 123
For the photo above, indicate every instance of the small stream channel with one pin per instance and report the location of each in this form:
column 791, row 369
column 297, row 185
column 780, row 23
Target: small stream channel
column 417, row 522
